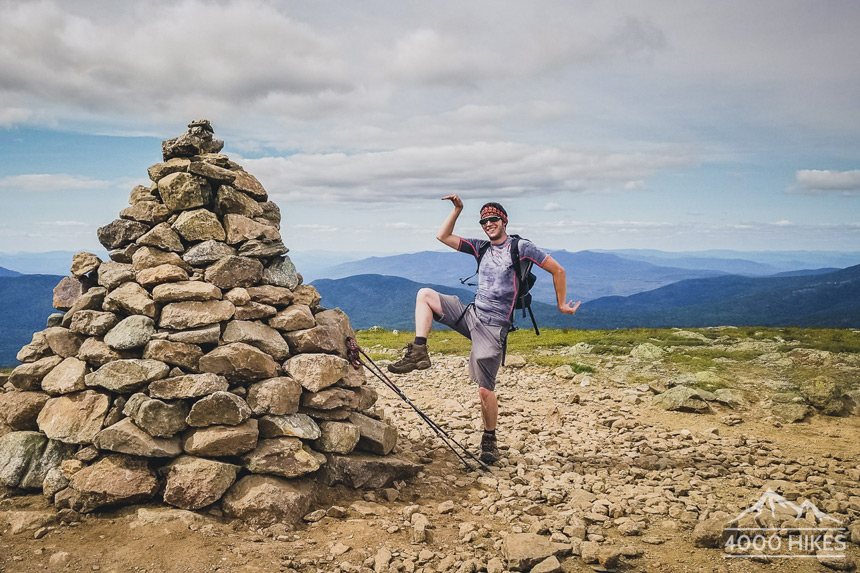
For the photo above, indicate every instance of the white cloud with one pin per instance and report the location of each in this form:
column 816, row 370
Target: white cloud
column 39, row 182
column 824, row 181
column 480, row 170
column 552, row 206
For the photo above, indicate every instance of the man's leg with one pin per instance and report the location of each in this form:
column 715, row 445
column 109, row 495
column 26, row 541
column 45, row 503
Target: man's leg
column 489, row 409
column 489, row 415
column 484, row 362
column 427, row 304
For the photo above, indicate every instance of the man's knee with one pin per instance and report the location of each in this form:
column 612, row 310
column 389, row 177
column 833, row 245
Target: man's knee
column 485, row 394
column 429, row 298
column 426, row 294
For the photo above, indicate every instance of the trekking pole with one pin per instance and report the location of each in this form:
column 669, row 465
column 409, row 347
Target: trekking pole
column 355, row 353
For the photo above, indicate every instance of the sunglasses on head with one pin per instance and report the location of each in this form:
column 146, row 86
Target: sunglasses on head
column 493, row 219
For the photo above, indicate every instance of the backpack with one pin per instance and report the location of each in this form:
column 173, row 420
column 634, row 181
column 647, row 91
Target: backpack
column 525, row 279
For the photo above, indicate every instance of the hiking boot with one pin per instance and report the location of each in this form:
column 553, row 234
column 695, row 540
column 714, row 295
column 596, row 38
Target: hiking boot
column 416, row 358
column 489, row 449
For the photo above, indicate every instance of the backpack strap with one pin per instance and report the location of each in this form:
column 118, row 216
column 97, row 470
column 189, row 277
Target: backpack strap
column 481, row 251
column 521, row 278
column 515, row 259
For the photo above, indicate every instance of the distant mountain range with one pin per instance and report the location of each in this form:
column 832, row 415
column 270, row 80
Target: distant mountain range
column 590, row 275
column 752, row 263
column 823, row 300
column 617, row 292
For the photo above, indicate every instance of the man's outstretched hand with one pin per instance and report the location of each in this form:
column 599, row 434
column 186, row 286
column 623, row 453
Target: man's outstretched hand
column 455, row 199
column 570, row 307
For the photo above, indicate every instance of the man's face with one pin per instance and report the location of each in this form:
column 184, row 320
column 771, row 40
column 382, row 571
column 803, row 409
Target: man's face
column 494, row 227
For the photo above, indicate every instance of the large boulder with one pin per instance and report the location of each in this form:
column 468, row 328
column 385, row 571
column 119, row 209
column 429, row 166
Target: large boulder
column 321, row 338
column 330, row 398
column 271, row 295
column 67, row 292
column 181, row 191
column 126, row 438
column 116, row 479
column 316, row 372
column 277, row 396
column 233, row 271
column 221, row 441
column 257, row 334
column 199, row 225
column 29, row 376
column 129, row 375
column 229, row 200
column 367, row 471
column 240, row 229
column 84, row 263
column 63, row 342
column 186, row 356
column 92, row 299
column 285, row 457
column 218, row 408
column 247, row 183
column 96, row 353
column 120, row 232
column 149, row 212
column 74, row 418
column 194, row 483
column 111, row 274
column 19, row 410
column 36, row 349
column 163, row 237
column 26, row 457
column 239, row 362
column 282, row 273
column 166, row 273
column 294, row 317
column 150, row 257
column 131, row 332
column 91, row 322
column 191, row 314
column 295, row 425
column 207, row 252
column 67, row 377
column 185, row 290
column 131, row 298
column 377, row 437
column 263, row 500
column 157, row 418
column 337, row 437
column 188, row 386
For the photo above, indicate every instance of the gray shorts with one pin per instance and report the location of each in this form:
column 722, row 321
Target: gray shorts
column 488, row 342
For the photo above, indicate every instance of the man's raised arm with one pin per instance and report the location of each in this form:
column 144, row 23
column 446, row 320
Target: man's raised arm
column 559, row 281
column 446, row 232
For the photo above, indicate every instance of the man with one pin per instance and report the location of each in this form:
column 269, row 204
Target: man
column 486, row 322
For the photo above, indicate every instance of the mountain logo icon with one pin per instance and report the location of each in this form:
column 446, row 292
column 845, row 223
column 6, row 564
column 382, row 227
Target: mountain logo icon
column 781, row 507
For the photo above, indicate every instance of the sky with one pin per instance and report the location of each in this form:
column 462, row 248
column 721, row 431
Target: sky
column 673, row 125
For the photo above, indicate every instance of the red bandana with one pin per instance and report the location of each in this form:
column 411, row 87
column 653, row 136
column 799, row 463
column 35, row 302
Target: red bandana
column 490, row 211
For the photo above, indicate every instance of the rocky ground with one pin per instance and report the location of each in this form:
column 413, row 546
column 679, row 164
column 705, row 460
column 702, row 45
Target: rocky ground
column 595, row 474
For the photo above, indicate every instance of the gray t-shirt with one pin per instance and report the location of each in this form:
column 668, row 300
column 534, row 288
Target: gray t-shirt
column 497, row 283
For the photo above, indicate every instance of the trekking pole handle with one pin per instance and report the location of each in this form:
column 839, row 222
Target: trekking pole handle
column 352, row 352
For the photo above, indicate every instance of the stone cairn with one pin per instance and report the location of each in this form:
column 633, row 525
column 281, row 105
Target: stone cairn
column 193, row 366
